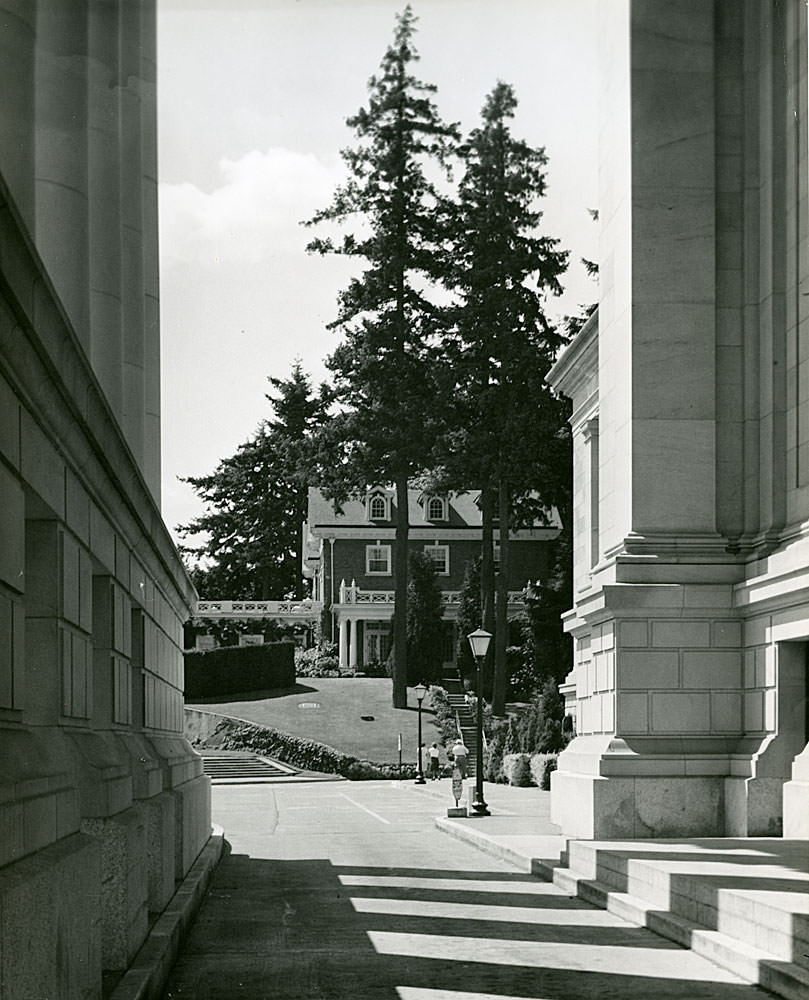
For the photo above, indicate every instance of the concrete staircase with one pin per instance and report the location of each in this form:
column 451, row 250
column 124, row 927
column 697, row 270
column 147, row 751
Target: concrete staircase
column 743, row 904
column 458, row 703
column 237, row 767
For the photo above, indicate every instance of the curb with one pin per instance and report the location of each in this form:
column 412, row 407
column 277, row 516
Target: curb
column 487, row 844
column 146, row 977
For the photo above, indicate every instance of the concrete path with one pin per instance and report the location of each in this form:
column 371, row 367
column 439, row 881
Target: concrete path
column 347, row 890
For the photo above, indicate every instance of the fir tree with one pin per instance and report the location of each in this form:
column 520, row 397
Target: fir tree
column 424, row 621
column 502, row 344
column 384, row 368
column 249, row 542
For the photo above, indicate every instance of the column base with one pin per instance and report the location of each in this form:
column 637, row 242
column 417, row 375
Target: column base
column 796, row 799
column 643, row 797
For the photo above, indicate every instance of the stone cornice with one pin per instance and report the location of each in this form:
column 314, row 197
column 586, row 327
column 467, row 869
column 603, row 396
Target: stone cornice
column 579, row 360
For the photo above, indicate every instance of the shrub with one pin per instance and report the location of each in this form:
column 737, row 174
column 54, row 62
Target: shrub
column 517, row 769
column 317, row 661
column 376, row 669
column 493, row 755
column 541, row 765
column 236, row 669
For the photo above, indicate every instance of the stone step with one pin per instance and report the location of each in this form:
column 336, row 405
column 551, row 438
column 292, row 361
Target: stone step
column 227, row 767
column 755, row 923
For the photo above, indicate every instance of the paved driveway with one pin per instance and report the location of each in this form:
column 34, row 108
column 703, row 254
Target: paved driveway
column 347, row 890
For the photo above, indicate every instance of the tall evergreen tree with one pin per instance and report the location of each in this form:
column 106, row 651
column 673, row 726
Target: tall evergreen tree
column 300, row 412
column 502, row 344
column 384, row 371
column 240, row 542
column 249, row 542
column 424, row 621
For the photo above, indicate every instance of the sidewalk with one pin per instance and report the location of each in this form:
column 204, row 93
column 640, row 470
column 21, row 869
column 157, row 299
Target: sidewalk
column 743, row 903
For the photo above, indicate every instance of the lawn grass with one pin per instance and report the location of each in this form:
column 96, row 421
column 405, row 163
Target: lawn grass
column 331, row 709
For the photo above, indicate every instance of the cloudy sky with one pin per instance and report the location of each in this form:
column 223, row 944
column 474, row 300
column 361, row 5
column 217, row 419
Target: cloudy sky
column 253, row 97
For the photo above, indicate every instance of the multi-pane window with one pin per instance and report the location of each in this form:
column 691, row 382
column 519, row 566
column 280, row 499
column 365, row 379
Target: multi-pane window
column 436, row 509
column 377, row 508
column 377, row 560
column 440, row 557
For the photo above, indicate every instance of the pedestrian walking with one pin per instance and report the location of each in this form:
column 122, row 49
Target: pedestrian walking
column 434, row 762
column 461, row 755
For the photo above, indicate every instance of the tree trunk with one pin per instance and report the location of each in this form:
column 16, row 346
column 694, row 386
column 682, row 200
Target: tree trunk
column 487, row 577
column 400, row 583
column 501, row 619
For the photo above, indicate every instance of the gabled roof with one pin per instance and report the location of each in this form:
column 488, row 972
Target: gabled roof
column 463, row 512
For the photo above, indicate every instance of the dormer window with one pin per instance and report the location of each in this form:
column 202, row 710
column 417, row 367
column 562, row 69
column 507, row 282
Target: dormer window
column 377, row 506
column 435, row 509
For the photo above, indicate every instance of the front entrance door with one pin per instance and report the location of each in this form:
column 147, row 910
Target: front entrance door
column 377, row 642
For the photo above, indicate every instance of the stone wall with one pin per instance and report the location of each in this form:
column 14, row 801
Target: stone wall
column 103, row 804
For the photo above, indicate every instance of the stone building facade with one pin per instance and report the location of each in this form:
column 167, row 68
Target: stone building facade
column 103, row 805
column 690, row 391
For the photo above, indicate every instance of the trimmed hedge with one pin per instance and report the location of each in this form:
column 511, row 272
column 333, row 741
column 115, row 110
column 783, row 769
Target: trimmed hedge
column 237, row 669
column 542, row 764
column 308, row 755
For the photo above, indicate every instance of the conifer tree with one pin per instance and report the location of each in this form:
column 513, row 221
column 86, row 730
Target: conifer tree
column 424, row 621
column 502, row 343
column 249, row 542
column 384, row 367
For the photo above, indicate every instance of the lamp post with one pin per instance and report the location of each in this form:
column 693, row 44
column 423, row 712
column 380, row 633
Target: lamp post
column 479, row 642
column 421, row 690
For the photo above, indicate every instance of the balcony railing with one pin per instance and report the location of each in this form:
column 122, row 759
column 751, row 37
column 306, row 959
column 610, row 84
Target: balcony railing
column 352, row 594
column 284, row 610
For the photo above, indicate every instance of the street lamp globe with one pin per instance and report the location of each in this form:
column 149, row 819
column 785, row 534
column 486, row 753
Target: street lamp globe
column 420, row 691
column 479, row 641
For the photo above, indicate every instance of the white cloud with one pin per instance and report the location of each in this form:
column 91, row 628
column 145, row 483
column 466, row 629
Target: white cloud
column 254, row 214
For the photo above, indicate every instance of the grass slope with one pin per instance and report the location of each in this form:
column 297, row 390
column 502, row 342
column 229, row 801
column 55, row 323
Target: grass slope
column 331, row 709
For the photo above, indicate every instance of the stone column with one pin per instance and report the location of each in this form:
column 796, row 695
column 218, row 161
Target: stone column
column 658, row 658
column 131, row 186
column 343, row 643
column 61, row 156
column 105, row 198
column 17, row 62
column 352, row 645
column 656, row 327
column 150, row 250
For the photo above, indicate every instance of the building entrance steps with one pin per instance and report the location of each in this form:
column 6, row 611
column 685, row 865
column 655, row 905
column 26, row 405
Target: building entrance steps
column 741, row 903
column 456, row 696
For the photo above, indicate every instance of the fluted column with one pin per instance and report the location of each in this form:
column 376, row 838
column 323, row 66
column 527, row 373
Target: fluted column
column 150, row 249
column 131, row 180
column 61, row 217
column 17, row 61
column 106, row 351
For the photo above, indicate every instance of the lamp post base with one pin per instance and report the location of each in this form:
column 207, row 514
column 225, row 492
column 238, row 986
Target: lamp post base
column 421, row 780
column 479, row 807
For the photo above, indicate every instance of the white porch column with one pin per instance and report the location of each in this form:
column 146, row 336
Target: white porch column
column 343, row 643
column 352, row 644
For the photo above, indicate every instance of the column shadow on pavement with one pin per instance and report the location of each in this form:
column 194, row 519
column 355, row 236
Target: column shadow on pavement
column 285, row 929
